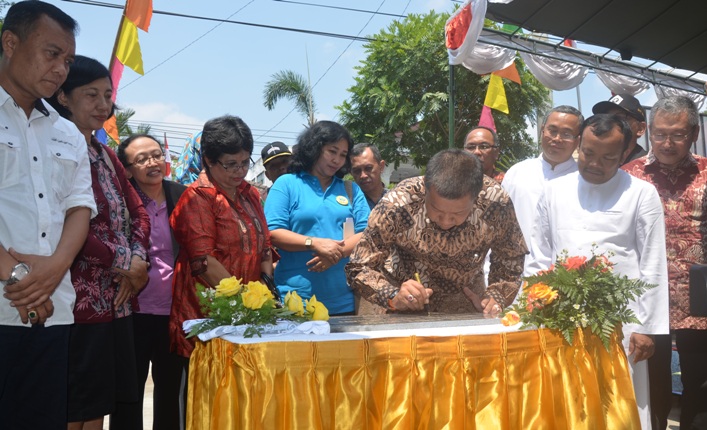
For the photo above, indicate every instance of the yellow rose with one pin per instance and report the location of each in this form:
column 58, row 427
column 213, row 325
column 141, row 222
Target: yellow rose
column 255, row 295
column 317, row 309
column 228, row 287
column 511, row 318
column 293, row 302
column 543, row 293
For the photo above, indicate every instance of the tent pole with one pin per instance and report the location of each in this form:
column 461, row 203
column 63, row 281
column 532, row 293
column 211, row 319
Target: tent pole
column 451, row 106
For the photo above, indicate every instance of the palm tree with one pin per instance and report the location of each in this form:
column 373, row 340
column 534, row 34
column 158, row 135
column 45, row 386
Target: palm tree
column 122, row 117
column 290, row 85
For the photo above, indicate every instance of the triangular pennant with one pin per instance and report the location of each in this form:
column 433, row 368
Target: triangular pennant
column 496, row 95
column 510, row 73
column 139, row 12
column 486, row 119
column 128, row 49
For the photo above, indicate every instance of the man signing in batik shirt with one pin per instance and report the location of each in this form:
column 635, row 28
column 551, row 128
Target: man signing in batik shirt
column 440, row 227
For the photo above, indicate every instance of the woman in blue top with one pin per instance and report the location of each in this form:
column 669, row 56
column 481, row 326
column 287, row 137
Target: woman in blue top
column 306, row 210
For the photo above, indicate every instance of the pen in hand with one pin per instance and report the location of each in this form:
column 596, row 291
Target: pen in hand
column 426, row 308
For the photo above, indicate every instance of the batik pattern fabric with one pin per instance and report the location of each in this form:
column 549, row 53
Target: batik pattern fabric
column 207, row 222
column 401, row 241
column 108, row 246
column 682, row 192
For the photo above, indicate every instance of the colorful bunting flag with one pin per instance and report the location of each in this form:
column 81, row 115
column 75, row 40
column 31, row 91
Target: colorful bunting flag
column 139, row 12
column 486, row 119
column 111, row 128
column 510, row 73
column 496, row 95
column 167, row 158
column 128, row 49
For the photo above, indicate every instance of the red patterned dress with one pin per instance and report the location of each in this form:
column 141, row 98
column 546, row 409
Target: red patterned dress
column 207, row 222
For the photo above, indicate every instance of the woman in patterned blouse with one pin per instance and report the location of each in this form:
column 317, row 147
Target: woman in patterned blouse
column 219, row 224
column 112, row 266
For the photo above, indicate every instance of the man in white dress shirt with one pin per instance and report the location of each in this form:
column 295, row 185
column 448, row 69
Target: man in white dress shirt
column 524, row 181
column 603, row 205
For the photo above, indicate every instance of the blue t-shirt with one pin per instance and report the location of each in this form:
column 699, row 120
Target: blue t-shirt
column 297, row 203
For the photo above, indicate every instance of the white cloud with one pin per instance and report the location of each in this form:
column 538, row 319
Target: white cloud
column 164, row 113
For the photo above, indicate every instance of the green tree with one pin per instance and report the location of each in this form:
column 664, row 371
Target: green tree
column 400, row 99
column 122, row 117
column 293, row 86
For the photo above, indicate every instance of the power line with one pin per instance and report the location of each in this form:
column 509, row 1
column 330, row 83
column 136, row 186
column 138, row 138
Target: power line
column 221, row 20
column 343, row 8
column 331, row 65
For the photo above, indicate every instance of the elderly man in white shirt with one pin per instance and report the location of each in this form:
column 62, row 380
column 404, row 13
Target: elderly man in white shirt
column 603, row 205
column 524, row 181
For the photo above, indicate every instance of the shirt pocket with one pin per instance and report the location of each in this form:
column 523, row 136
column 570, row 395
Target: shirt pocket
column 64, row 166
column 9, row 160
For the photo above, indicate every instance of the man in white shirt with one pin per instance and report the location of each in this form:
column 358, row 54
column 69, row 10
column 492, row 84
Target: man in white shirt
column 524, row 181
column 46, row 203
column 603, row 205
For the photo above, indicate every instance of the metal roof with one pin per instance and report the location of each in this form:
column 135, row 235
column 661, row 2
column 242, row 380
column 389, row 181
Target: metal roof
column 671, row 32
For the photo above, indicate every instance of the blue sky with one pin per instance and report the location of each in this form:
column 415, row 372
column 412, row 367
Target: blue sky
column 197, row 70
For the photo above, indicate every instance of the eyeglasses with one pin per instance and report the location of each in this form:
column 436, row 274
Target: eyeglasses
column 236, row 165
column 482, row 147
column 144, row 160
column 564, row 135
column 675, row 138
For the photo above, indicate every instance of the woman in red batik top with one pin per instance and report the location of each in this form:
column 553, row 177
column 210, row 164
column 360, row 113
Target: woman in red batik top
column 219, row 224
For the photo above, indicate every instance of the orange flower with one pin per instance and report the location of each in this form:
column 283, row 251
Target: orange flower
column 511, row 318
column 542, row 293
column 545, row 272
column 573, row 263
column 602, row 263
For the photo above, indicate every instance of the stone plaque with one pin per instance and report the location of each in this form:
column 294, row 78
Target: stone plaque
column 407, row 321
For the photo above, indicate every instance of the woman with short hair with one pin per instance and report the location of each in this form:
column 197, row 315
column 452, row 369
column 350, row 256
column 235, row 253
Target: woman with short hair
column 219, row 224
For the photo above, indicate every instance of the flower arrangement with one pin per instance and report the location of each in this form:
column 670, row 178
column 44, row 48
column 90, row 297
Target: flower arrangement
column 577, row 292
column 235, row 303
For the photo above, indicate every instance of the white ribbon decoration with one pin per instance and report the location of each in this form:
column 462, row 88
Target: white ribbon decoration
column 489, row 58
column 278, row 329
column 478, row 13
column 619, row 84
column 555, row 74
column 663, row 92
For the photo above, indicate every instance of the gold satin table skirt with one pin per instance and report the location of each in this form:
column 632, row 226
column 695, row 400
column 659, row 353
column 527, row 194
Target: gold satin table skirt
column 518, row 380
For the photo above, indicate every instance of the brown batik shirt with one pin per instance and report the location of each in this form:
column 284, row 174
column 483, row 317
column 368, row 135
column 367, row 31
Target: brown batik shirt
column 400, row 241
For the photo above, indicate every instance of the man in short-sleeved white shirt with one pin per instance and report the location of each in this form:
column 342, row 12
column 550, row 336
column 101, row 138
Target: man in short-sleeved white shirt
column 46, row 203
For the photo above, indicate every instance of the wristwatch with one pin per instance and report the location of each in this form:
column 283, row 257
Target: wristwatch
column 308, row 242
column 18, row 273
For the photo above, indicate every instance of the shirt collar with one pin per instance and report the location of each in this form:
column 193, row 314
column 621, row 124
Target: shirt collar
column 44, row 108
column 565, row 165
column 688, row 161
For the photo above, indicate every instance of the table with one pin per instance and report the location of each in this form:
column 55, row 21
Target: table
column 383, row 380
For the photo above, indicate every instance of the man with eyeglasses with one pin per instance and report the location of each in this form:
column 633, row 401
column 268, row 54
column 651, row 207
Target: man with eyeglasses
column 680, row 178
column 483, row 142
column 367, row 166
column 628, row 108
column 525, row 181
